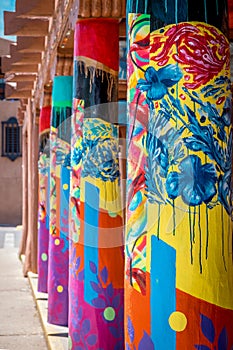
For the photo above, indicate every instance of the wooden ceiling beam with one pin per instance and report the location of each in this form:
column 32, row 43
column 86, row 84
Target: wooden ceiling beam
column 30, row 44
column 30, row 68
column 25, row 85
column 22, row 59
column 8, row 66
column 20, row 78
column 34, row 8
column 24, row 27
column 64, row 14
column 19, row 94
column 11, row 93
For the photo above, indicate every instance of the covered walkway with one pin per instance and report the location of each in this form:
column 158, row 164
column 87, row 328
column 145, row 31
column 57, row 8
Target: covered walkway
column 136, row 257
column 20, row 327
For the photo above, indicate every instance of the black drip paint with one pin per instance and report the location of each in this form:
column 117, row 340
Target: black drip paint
column 191, row 236
column 207, row 233
column 194, row 223
column 174, row 217
column 200, row 238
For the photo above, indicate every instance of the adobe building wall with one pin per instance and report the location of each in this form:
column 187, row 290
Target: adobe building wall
column 10, row 175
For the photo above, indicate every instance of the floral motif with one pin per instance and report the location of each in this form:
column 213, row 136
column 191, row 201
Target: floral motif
column 156, row 83
column 83, row 336
column 195, row 182
column 77, row 153
column 101, row 160
column 206, row 131
column 145, row 342
column 163, row 151
column 201, row 49
column 99, row 151
column 208, row 330
column 109, row 300
column 67, row 160
column 75, row 263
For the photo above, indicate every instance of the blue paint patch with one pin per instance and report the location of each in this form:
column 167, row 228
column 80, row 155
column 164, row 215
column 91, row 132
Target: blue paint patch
column 163, row 294
column 91, row 223
column 64, row 207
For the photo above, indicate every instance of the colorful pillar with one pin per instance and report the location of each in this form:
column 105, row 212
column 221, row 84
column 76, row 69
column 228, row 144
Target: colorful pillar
column 96, row 280
column 179, row 267
column 58, row 238
column 43, row 213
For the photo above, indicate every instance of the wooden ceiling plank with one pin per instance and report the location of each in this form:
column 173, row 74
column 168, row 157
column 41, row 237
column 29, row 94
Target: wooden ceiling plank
column 35, row 8
column 30, row 44
column 20, row 77
column 18, row 58
column 18, row 94
column 24, row 27
column 30, row 68
column 29, row 85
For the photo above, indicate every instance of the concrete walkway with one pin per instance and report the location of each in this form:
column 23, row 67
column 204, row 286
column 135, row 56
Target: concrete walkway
column 20, row 327
column 56, row 336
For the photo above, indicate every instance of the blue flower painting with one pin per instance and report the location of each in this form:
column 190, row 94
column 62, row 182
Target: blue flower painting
column 189, row 150
column 209, row 332
column 156, row 83
column 195, row 183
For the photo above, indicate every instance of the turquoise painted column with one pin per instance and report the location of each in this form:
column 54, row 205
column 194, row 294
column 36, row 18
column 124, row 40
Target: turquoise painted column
column 58, row 267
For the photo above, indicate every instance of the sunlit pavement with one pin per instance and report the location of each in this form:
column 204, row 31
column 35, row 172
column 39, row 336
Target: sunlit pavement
column 56, row 336
column 20, row 327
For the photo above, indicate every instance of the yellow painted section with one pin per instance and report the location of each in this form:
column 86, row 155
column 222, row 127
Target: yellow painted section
column 110, row 198
column 214, row 276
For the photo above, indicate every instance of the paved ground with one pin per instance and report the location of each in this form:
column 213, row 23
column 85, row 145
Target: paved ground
column 20, row 327
column 57, row 336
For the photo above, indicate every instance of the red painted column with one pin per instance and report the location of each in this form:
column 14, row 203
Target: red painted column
column 43, row 210
column 96, row 283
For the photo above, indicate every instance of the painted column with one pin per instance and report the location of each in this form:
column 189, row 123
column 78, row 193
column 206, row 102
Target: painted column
column 179, row 268
column 58, row 238
column 43, row 213
column 96, row 280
